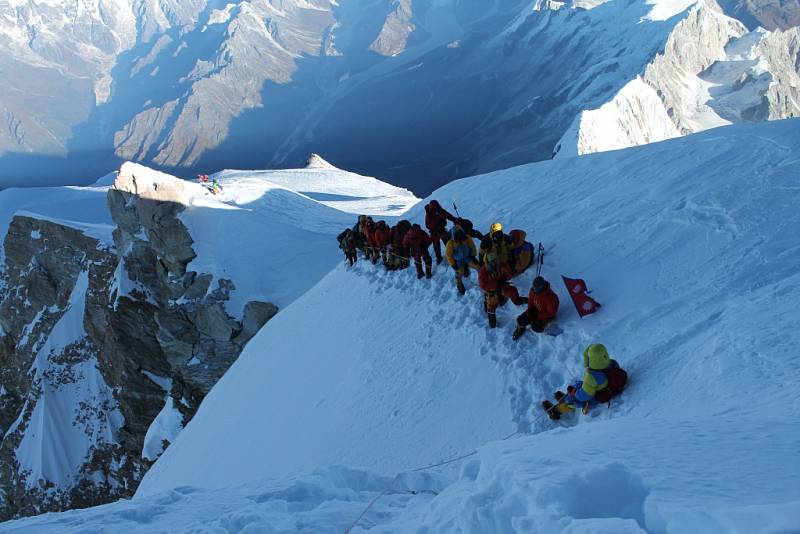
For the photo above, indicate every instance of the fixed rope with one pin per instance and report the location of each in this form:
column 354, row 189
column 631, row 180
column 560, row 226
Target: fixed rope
column 415, row 470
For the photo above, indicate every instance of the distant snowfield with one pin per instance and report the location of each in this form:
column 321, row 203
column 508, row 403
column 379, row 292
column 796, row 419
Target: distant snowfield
column 344, row 191
column 690, row 245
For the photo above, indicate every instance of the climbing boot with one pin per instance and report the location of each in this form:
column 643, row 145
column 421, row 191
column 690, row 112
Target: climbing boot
column 428, row 270
column 551, row 410
column 518, row 332
column 460, row 286
column 492, row 320
column 420, row 274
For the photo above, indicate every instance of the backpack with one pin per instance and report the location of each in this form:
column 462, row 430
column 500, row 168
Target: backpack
column 526, row 247
column 617, row 378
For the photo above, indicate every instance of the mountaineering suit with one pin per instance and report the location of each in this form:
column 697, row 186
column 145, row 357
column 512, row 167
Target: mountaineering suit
column 500, row 244
column 521, row 252
column 347, row 242
column 436, row 218
column 382, row 236
column 417, row 242
column 603, row 378
column 399, row 258
column 460, row 253
column 494, row 279
column 542, row 308
column 372, row 245
column 358, row 234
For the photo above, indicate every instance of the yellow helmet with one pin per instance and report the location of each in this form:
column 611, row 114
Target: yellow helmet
column 496, row 227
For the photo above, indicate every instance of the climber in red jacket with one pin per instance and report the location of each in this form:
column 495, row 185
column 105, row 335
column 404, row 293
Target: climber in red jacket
column 542, row 308
column 436, row 218
column 494, row 278
column 417, row 242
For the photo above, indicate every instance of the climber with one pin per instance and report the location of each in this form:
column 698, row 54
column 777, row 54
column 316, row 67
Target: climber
column 498, row 243
column 521, row 252
column 347, row 242
column 359, row 229
column 436, row 218
column 603, row 379
column 399, row 257
column 493, row 278
column 382, row 238
column 369, row 236
column 216, row 188
column 460, row 253
column 417, row 241
column 542, row 308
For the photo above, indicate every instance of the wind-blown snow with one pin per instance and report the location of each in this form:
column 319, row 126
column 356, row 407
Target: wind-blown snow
column 386, row 373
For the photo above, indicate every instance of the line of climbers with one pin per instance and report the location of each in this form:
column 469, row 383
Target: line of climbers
column 500, row 258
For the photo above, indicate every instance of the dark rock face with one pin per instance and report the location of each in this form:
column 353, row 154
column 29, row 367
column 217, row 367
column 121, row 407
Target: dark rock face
column 96, row 336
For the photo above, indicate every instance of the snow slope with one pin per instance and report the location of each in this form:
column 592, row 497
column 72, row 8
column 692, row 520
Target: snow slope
column 690, row 247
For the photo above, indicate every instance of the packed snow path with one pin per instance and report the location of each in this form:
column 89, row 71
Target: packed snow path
column 531, row 368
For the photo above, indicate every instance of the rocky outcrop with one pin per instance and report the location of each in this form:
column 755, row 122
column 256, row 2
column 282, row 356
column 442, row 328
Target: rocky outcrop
column 781, row 49
column 395, row 31
column 100, row 337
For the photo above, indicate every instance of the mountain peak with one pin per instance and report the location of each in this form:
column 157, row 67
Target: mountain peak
column 315, row 161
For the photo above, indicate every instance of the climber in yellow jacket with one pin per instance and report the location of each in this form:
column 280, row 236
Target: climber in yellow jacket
column 460, row 253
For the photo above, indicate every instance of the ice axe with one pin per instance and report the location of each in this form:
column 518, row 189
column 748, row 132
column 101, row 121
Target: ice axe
column 540, row 261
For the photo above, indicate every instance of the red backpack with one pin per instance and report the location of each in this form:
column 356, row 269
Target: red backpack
column 617, row 378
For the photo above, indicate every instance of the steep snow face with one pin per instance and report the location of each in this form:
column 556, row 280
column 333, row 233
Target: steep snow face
column 636, row 116
column 383, row 372
column 712, row 72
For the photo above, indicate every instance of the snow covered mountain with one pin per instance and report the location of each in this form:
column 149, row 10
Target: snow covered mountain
column 415, row 92
column 689, row 245
column 728, row 75
column 121, row 305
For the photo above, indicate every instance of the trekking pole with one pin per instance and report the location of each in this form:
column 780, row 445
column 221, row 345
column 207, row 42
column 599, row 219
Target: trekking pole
column 540, row 263
column 456, row 208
